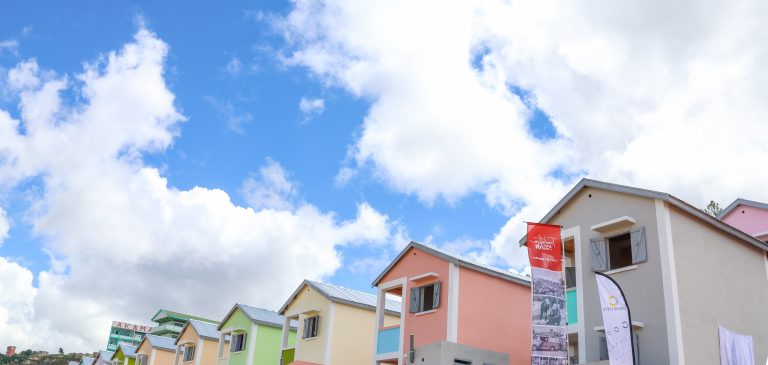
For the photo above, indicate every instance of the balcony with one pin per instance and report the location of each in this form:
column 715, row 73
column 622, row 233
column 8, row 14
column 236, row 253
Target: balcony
column 166, row 327
column 286, row 357
column 570, row 302
column 388, row 341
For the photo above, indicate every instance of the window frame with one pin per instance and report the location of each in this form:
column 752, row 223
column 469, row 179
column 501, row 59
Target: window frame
column 311, row 327
column 232, row 342
column 189, row 353
column 608, row 250
column 437, row 287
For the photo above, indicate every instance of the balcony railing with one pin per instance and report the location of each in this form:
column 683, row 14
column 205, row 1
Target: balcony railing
column 570, row 301
column 389, row 340
column 286, row 357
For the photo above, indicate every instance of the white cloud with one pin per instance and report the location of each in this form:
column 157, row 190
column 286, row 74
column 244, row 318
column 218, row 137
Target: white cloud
column 234, row 67
column 646, row 94
column 311, row 107
column 226, row 110
column 10, row 46
column 271, row 189
column 5, row 226
column 104, row 214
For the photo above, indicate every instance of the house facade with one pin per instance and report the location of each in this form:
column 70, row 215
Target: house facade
column 453, row 311
column 198, row 344
column 749, row 216
column 156, row 350
column 125, row 355
column 121, row 332
column 254, row 335
column 683, row 273
column 335, row 325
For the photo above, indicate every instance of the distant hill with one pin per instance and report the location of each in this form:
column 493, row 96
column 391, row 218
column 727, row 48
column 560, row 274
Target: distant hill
column 29, row 357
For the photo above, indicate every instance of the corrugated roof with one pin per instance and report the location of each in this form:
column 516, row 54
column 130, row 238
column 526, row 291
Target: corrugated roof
column 160, row 342
column 205, row 329
column 86, row 360
column 458, row 260
column 263, row 316
column 354, row 296
column 105, row 356
column 128, row 349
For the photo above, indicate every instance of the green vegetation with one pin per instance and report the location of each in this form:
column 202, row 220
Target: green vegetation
column 29, row 357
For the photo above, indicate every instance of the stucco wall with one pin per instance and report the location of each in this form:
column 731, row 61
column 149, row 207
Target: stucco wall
column 267, row 350
column 642, row 286
column 495, row 314
column 721, row 281
column 748, row 219
column 161, row 357
column 310, row 350
column 354, row 334
column 240, row 321
column 429, row 327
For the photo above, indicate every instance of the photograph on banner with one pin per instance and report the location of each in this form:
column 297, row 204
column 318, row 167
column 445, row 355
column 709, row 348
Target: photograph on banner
column 549, row 341
column 547, row 282
column 549, row 311
column 538, row 360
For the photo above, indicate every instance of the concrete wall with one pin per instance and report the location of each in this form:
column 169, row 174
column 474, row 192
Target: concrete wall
column 267, row 350
column 310, row 350
column 354, row 334
column 427, row 327
column 748, row 219
column 495, row 314
column 721, row 280
column 240, row 321
column 444, row 353
column 642, row 286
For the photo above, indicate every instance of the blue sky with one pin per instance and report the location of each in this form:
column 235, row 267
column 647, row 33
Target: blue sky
column 234, row 148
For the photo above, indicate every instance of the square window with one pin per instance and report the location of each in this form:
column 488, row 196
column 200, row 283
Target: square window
column 311, row 325
column 238, row 342
column 189, row 353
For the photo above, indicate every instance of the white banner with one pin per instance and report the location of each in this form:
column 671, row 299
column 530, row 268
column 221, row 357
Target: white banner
column 616, row 320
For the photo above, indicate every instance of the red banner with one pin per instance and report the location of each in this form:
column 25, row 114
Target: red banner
column 545, row 246
column 549, row 313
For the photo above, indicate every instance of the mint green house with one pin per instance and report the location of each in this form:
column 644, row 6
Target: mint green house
column 251, row 336
column 125, row 354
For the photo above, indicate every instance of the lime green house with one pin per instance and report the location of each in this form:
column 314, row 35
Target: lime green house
column 124, row 355
column 253, row 335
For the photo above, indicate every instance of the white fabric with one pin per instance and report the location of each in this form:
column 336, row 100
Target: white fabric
column 618, row 330
column 735, row 349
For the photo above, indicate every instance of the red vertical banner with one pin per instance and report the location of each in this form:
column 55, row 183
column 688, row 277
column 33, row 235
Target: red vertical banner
column 550, row 331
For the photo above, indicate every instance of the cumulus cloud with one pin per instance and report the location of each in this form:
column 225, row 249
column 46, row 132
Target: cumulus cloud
column 123, row 241
column 234, row 118
column 668, row 97
column 10, row 46
column 311, row 107
column 234, row 67
column 5, row 226
column 271, row 189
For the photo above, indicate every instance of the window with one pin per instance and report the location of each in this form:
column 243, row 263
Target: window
column 425, row 298
column 189, row 353
column 615, row 252
column 238, row 342
column 311, row 325
column 141, row 359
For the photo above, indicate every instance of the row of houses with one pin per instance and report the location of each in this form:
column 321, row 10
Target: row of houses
column 684, row 273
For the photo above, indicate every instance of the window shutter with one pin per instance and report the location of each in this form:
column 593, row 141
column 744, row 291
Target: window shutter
column 317, row 326
column 603, row 348
column 639, row 250
column 436, row 296
column 598, row 254
column 242, row 341
column 414, row 300
column 305, row 331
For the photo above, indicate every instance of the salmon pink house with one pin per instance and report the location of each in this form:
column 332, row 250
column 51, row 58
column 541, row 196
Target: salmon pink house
column 453, row 311
column 749, row 216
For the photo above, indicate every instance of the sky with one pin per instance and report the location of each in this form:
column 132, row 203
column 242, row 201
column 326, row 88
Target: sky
column 191, row 155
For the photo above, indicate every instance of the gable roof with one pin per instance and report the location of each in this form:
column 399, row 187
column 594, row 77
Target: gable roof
column 203, row 329
column 706, row 218
column 458, row 260
column 103, row 356
column 342, row 295
column 256, row 315
column 159, row 342
column 741, row 201
column 127, row 349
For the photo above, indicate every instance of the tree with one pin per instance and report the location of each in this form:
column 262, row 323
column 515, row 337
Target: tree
column 712, row 208
column 61, row 351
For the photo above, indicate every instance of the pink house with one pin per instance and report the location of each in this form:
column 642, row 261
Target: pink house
column 750, row 217
column 453, row 311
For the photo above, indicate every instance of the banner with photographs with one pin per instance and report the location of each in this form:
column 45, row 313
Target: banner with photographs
column 550, row 332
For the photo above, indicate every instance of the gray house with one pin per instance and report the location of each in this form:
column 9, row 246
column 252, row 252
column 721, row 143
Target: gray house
column 684, row 273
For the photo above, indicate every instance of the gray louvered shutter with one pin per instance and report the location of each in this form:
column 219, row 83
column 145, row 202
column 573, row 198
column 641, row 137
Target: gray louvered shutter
column 603, row 348
column 317, row 326
column 639, row 250
column 243, row 343
column 436, row 296
column 415, row 300
column 598, row 254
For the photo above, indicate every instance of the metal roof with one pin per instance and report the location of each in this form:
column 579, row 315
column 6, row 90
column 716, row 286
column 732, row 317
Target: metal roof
column 741, row 201
column 86, row 360
column 104, row 357
column 458, row 260
column 343, row 295
column 128, row 349
column 160, row 342
column 257, row 315
column 651, row 195
column 205, row 329
column 164, row 313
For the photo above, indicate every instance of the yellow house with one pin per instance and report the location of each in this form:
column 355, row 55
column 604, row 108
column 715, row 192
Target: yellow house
column 335, row 325
column 155, row 350
column 198, row 344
